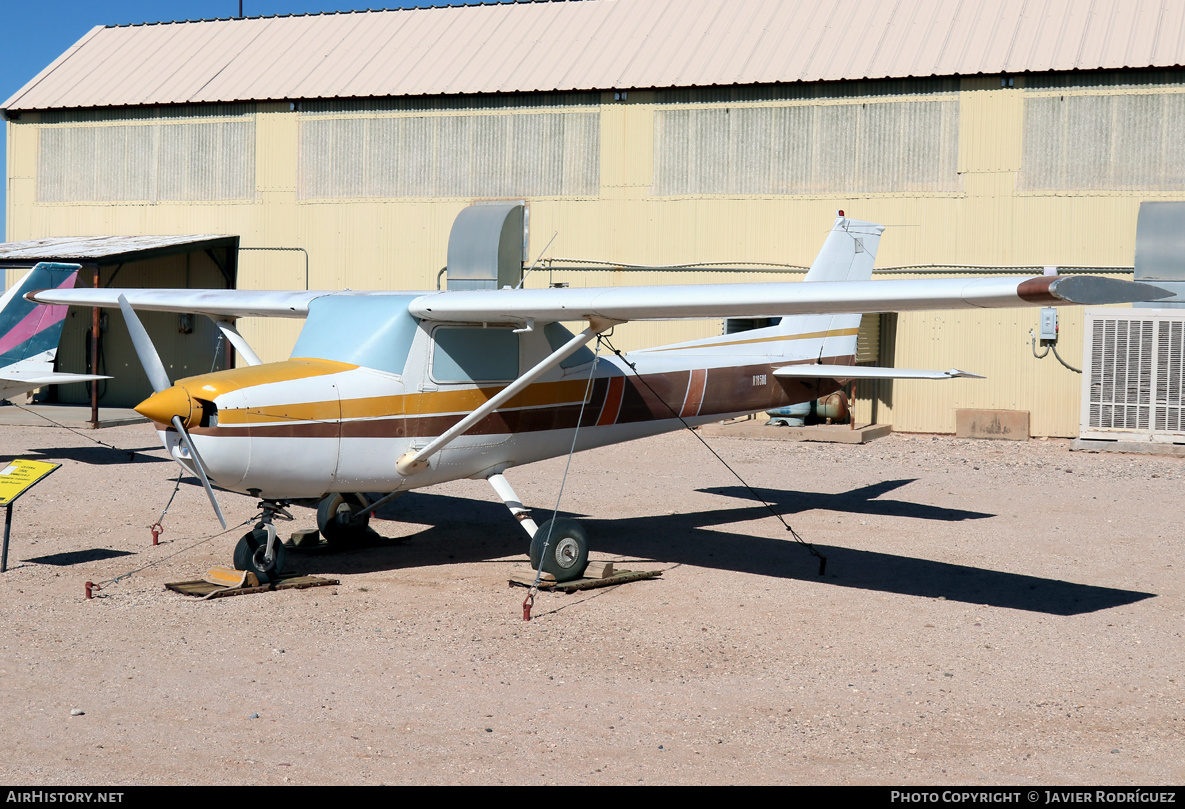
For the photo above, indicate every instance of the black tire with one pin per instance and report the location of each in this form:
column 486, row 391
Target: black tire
column 567, row 549
column 249, row 556
column 335, row 518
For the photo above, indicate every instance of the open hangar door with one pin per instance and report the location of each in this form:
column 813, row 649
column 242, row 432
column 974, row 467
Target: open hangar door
column 188, row 344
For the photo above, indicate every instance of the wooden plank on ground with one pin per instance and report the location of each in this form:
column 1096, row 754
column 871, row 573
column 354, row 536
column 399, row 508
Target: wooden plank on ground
column 203, row 589
column 527, row 579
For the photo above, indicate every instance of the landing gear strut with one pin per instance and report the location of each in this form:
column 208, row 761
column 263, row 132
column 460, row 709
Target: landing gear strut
column 260, row 551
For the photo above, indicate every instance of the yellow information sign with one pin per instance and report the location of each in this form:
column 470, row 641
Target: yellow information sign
column 19, row 476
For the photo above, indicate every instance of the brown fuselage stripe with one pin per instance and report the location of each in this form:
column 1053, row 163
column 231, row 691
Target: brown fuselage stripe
column 614, row 400
column 695, row 393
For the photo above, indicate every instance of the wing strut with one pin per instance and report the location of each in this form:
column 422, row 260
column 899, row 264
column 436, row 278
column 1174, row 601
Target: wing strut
column 411, row 463
column 227, row 326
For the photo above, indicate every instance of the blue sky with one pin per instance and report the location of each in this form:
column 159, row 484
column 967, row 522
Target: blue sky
column 37, row 31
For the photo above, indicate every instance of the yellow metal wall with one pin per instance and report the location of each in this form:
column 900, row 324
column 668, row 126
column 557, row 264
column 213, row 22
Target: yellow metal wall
column 372, row 243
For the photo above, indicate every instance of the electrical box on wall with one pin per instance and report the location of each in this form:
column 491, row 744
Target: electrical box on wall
column 1048, row 331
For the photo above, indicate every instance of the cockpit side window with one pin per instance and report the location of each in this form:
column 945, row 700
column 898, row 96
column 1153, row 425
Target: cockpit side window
column 470, row 354
column 375, row 331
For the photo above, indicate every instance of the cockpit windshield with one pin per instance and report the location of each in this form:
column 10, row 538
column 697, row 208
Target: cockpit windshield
column 375, row 331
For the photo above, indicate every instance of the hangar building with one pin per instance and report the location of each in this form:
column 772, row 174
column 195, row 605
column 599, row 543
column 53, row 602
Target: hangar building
column 641, row 132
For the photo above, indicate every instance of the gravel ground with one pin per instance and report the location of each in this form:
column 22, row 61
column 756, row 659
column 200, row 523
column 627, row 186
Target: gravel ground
column 991, row 613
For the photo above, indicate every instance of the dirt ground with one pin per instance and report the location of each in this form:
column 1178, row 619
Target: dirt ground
column 991, row 613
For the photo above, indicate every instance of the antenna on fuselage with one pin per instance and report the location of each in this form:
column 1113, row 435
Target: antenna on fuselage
column 536, row 261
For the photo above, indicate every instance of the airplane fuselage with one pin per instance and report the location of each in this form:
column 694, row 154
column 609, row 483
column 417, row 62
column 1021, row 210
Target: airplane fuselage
column 305, row 427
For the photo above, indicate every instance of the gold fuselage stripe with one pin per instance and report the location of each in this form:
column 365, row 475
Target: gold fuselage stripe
column 410, row 404
column 208, row 386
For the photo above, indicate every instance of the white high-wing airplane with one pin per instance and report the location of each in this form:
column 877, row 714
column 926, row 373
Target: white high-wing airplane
column 391, row 391
column 29, row 333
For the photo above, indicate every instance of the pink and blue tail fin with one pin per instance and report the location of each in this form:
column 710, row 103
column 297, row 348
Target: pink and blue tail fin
column 27, row 329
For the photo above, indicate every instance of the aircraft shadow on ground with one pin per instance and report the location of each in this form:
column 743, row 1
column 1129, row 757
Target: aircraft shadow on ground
column 78, row 557
column 98, row 455
column 463, row 530
column 865, row 500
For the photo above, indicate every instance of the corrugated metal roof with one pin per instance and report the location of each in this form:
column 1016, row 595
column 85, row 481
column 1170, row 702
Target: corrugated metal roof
column 598, row 45
column 106, row 249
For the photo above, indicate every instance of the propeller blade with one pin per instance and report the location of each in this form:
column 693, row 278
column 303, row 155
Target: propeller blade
column 145, row 350
column 155, row 369
column 201, row 467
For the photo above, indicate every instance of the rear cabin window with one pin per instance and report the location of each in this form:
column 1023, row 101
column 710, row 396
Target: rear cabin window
column 557, row 335
column 474, row 355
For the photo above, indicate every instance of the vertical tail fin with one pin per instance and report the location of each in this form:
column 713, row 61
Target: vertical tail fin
column 29, row 330
column 847, row 255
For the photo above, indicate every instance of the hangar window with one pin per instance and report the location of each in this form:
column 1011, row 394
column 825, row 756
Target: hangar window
column 1105, row 142
column 484, row 155
column 147, row 162
column 883, row 146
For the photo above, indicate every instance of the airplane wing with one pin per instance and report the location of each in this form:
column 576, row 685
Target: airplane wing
column 766, row 300
column 650, row 302
column 225, row 303
column 51, row 378
column 817, row 371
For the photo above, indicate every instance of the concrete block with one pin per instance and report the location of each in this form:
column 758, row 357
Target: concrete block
column 828, row 433
column 1009, row 425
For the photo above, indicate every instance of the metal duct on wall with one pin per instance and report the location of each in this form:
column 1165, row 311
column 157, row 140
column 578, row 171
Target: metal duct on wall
column 1160, row 251
column 487, row 246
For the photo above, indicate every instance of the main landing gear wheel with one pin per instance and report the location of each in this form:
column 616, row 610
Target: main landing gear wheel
column 251, row 553
column 567, row 550
column 336, row 520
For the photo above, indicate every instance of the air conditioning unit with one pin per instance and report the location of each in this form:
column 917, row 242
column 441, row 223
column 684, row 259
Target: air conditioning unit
column 1132, row 375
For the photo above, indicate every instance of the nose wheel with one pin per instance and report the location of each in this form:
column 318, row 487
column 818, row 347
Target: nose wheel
column 251, row 555
column 259, row 551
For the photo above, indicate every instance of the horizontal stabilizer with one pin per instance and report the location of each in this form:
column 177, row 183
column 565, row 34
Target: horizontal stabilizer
column 866, row 372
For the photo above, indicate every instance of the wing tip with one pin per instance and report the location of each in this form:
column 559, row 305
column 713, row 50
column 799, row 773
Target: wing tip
column 1090, row 290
